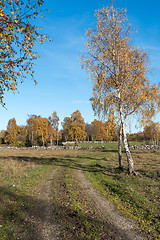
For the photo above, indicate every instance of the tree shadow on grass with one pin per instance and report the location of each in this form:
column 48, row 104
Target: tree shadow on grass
column 15, row 215
column 26, row 217
column 110, row 150
column 68, row 162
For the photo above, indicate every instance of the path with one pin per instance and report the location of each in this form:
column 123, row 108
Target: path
column 43, row 215
column 121, row 226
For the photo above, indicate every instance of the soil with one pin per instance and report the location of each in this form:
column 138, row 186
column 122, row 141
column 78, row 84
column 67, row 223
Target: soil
column 52, row 216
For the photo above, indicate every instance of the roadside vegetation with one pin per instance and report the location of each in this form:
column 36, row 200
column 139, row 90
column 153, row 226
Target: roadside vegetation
column 23, row 171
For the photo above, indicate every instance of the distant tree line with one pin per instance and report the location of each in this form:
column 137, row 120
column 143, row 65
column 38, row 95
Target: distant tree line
column 151, row 134
column 44, row 131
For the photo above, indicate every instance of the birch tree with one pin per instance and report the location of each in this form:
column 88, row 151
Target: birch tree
column 54, row 120
column 66, row 124
column 118, row 72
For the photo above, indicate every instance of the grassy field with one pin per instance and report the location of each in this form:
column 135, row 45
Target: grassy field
column 22, row 171
column 108, row 145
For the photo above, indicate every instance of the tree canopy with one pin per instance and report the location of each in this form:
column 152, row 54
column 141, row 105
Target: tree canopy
column 18, row 36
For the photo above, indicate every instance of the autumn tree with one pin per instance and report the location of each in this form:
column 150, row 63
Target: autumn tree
column 66, row 124
column 118, row 71
column 74, row 127
column 152, row 132
column 100, row 133
column 54, row 120
column 12, row 132
column 2, row 136
column 42, row 134
column 23, row 136
column 91, row 131
column 52, row 135
column 77, row 128
column 38, row 130
column 111, row 129
column 32, row 123
column 18, row 36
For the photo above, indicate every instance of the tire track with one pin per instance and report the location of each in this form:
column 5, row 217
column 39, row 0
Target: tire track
column 122, row 228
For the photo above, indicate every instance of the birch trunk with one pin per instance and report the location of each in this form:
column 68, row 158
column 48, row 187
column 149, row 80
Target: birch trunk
column 32, row 138
column 43, row 140
column 120, row 148
column 57, row 138
column 128, row 153
column 51, row 141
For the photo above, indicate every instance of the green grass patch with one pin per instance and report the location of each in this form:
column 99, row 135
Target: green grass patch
column 136, row 197
column 108, row 145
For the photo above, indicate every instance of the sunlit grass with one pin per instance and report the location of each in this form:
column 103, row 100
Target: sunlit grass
column 135, row 196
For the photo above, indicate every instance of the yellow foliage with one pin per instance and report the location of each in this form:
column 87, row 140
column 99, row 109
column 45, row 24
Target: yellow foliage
column 18, row 31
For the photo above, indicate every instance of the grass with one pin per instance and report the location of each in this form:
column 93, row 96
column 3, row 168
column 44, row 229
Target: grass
column 21, row 171
column 135, row 197
column 110, row 145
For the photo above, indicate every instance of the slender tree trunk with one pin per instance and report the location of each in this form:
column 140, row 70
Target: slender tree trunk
column 128, row 153
column 120, row 148
column 32, row 138
column 51, row 141
column 43, row 140
column 57, row 138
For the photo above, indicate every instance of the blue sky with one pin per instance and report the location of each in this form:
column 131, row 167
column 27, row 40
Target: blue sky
column 62, row 85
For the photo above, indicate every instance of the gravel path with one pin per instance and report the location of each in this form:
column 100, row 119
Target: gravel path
column 123, row 228
column 42, row 216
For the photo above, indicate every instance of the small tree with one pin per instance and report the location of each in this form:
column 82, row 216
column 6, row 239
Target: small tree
column 118, row 71
column 77, row 128
column 74, row 127
column 100, row 133
column 32, row 124
column 66, row 124
column 12, row 132
column 54, row 120
column 152, row 132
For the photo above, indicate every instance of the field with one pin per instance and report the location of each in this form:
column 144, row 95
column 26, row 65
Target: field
column 36, row 186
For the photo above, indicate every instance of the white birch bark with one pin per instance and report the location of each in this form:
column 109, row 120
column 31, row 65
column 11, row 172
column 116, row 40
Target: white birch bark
column 51, row 141
column 128, row 153
column 57, row 138
column 120, row 148
column 43, row 139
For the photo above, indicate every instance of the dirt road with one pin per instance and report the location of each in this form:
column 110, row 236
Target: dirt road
column 55, row 212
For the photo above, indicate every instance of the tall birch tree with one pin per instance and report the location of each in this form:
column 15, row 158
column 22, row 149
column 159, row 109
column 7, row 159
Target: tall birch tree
column 118, row 72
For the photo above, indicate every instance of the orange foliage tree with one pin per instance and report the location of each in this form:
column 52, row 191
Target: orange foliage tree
column 77, row 127
column 12, row 132
column 152, row 132
column 39, row 130
column 74, row 127
column 100, row 133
